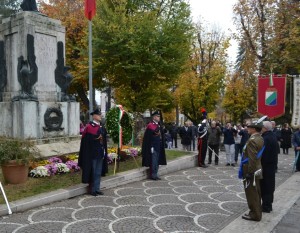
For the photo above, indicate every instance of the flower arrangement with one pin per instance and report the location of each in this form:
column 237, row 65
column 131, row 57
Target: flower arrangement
column 125, row 153
column 54, row 166
column 112, row 124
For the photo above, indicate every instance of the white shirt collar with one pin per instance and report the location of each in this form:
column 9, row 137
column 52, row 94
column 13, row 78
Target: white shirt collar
column 97, row 123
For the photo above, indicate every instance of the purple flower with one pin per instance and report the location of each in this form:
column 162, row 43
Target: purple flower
column 55, row 160
column 52, row 169
column 72, row 165
column 133, row 152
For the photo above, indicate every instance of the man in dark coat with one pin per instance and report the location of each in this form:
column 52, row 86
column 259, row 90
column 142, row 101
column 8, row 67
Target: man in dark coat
column 93, row 148
column 278, row 136
column 214, row 139
column 185, row 134
column 268, row 163
column 153, row 150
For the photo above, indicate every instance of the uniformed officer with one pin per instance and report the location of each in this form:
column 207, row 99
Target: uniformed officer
column 153, row 150
column 252, row 171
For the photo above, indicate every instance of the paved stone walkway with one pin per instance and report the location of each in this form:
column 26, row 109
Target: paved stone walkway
column 193, row 200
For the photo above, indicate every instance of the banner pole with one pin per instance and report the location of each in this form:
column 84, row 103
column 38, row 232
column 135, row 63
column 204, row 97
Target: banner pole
column 90, row 70
column 8, row 207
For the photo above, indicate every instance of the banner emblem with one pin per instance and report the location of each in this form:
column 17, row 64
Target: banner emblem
column 271, row 95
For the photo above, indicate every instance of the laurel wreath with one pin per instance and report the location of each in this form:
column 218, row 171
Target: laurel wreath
column 112, row 125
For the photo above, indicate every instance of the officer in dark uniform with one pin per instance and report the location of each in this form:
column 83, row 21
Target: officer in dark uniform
column 153, row 150
column 93, row 149
column 252, row 171
column 202, row 143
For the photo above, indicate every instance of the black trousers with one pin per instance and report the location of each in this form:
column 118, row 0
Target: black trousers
column 215, row 148
column 174, row 139
column 268, row 186
column 202, row 148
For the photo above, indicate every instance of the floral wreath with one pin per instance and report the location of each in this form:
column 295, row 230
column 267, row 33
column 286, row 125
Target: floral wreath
column 113, row 123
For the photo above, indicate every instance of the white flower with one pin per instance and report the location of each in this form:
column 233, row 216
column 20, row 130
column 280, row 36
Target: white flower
column 62, row 168
column 113, row 156
column 39, row 171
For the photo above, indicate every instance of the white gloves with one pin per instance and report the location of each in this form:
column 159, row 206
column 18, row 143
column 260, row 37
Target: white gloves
column 152, row 150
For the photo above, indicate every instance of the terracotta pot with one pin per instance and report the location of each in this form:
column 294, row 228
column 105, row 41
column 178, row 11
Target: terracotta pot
column 15, row 173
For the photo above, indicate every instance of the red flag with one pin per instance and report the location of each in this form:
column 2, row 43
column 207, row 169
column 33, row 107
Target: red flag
column 90, row 9
column 271, row 95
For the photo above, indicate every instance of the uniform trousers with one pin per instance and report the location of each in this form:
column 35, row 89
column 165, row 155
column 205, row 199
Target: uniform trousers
column 154, row 165
column 253, row 196
column 202, row 149
column 97, row 171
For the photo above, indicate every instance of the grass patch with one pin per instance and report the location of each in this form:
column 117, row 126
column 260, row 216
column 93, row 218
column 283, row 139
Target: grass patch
column 36, row 186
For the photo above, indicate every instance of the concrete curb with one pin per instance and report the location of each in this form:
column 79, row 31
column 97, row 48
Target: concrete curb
column 284, row 198
column 122, row 178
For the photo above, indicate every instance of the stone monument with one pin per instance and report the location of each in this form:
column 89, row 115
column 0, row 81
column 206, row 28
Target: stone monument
column 34, row 81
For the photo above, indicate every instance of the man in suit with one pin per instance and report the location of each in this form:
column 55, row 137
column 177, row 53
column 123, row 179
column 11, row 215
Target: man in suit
column 186, row 136
column 268, row 163
column 250, row 172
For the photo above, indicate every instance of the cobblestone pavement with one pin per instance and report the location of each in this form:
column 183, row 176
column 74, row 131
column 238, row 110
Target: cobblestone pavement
column 193, row 200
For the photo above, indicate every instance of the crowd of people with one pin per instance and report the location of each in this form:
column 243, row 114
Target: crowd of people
column 257, row 144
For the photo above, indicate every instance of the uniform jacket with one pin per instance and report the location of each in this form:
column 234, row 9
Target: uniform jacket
column 153, row 138
column 253, row 146
column 93, row 146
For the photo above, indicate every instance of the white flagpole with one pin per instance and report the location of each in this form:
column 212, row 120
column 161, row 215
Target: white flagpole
column 8, row 207
column 90, row 69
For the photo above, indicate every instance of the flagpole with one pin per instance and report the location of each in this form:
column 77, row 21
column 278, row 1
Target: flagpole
column 90, row 69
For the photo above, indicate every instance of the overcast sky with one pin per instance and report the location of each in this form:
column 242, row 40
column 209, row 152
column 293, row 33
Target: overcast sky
column 219, row 13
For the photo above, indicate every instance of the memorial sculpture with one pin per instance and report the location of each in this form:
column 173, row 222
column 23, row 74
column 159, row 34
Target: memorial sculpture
column 29, row 5
column 34, row 80
column 3, row 71
column 27, row 72
column 62, row 76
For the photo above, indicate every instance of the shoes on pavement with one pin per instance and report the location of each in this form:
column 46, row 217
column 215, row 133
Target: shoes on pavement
column 216, row 163
column 209, row 162
column 247, row 217
column 155, row 178
column 266, row 210
column 232, row 165
column 203, row 165
column 227, row 164
column 99, row 193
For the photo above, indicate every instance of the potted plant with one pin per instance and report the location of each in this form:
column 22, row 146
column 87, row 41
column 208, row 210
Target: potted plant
column 15, row 155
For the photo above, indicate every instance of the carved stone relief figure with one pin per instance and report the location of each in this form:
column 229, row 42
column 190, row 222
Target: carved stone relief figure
column 27, row 72
column 62, row 76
